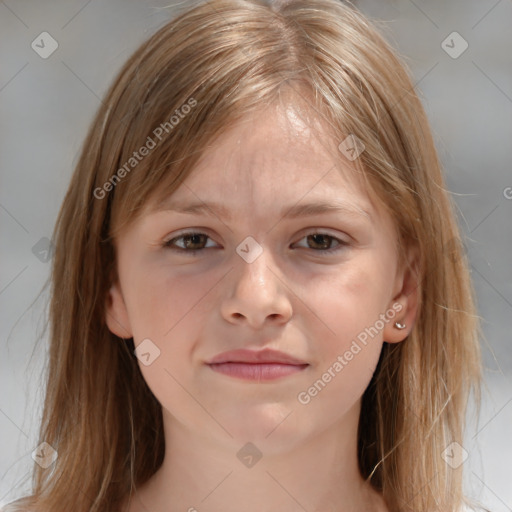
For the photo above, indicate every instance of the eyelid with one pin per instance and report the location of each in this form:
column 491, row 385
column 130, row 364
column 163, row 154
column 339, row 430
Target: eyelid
column 341, row 242
column 304, row 232
column 326, row 231
column 186, row 233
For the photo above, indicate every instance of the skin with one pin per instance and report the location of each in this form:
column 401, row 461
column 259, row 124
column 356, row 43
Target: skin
column 295, row 297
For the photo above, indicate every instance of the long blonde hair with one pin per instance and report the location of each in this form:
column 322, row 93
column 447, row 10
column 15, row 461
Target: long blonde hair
column 224, row 59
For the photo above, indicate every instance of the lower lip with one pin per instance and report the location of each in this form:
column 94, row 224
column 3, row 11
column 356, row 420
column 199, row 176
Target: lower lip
column 257, row 371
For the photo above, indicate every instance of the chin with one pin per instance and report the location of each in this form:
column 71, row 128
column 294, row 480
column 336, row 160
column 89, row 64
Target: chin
column 272, row 427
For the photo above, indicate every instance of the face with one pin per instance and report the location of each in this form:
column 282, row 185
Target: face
column 322, row 287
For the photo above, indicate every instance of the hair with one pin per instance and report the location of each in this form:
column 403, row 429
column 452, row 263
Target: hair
column 210, row 66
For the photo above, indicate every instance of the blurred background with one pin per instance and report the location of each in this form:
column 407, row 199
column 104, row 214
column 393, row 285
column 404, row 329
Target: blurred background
column 460, row 53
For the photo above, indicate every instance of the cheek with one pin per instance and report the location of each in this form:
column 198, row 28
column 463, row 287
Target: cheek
column 355, row 299
column 169, row 308
column 165, row 309
column 347, row 356
column 160, row 299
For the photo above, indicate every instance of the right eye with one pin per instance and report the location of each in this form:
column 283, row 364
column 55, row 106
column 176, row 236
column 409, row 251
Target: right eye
column 193, row 242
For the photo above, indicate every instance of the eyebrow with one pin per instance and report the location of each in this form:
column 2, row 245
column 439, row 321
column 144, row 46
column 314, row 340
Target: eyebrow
column 213, row 209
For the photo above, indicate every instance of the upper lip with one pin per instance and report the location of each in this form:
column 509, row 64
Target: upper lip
column 255, row 356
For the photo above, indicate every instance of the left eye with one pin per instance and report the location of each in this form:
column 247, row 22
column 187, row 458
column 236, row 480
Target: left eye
column 193, row 242
column 322, row 240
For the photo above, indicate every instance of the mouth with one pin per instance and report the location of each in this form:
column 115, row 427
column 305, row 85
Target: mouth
column 260, row 365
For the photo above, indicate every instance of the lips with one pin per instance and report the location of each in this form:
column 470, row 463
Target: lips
column 256, row 365
column 260, row 356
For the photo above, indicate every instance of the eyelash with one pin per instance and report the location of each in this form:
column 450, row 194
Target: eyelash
column 167, row 244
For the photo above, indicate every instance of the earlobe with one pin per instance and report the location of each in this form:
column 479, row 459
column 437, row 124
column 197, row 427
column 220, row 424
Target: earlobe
column 405, row 302
column 116, row 314
column 399, row 327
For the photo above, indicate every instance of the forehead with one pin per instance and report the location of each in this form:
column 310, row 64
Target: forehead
column 277, row 155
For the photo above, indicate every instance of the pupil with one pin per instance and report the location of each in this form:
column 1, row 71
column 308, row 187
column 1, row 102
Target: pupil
column 194, row 239
column 315, row 238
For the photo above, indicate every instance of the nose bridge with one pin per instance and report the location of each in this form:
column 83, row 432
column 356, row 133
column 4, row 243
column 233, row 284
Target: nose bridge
column 255, row 267
column 257, row 291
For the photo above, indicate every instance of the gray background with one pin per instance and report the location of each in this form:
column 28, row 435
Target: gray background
column 46, row 106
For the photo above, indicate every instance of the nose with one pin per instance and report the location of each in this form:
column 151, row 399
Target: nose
column 256, row 293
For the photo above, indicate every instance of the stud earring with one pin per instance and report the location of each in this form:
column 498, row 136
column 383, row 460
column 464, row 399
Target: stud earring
column 398, row 325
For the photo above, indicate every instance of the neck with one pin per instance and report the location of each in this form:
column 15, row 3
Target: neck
column 319, row 474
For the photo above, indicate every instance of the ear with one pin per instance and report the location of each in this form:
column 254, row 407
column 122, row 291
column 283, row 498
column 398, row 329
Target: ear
column 405, row 298
column 116, row 313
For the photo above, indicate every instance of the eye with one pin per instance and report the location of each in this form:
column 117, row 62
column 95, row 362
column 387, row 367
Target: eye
column 322, row 242
column 192, row 242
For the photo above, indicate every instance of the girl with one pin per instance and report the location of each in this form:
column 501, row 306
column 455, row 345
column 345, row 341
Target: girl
column 259, row 301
